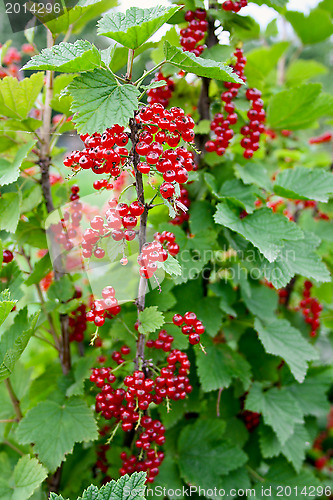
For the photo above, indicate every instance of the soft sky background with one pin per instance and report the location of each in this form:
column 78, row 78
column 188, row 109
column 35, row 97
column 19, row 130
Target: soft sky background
column 262, row 14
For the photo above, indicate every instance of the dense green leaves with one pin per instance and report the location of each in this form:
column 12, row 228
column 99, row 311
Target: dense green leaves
column 266, row 230
column 28, row 474
column 67, row 57
column 6, row 305
column 15, row 340
column 201, row 446
column 300, row 183
column 99, row 101
column 18, row 97
column 278, row 408
column 199, row 66
column 281, row 339
column 71, row 422
column 136, row 26
column 10, row 211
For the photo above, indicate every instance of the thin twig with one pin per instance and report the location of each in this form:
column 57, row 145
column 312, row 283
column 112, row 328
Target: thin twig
column 15, row 401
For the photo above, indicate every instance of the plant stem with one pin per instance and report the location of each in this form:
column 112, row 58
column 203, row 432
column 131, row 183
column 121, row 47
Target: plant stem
column 140, row 347
column 12, row 446
column 130, row 60
column 147, row 73
column 15, row 401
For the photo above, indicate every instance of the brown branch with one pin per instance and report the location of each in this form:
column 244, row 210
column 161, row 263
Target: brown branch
column 15, row 401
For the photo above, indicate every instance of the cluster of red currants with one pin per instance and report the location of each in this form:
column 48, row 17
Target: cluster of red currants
column 173, row 381
column 103, row 154
column 107, row 307
column 150, row 464
column 154, row 252
column 230, row 5
column 7, row 256
column 253, row 130
column 163, row 341
column 161, row 95
column 117, row 356
column 192, row 327
column 66, row 230
column 182, row 216
column 251, row 419
column 221, row 125
column 195, row 31
column 311, row 309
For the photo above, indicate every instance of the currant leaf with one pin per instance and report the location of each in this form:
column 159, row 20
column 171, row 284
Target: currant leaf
column 150, row 320
column 27, row 475
column 304, row 184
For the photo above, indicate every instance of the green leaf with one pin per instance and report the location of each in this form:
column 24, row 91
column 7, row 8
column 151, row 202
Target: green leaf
column 67, row 57
column 266, row 230
column 294, row 449
column 9, row 211
column 278, row 408
column 126, row 488
column 71, row 422
column 305, row 184
column 10, row 171
column 220, row 366
column 281, row 339
column 171, row 266
column 261, row 302
column 150, row 320
column 296, row 257
column 238, row 193
column 314, row 28
column 6, row 305
column 198, row 65
column 298, row 107
column 41, row 269
column 15, row 340
column 99, row 101
column 201, row 447
column 254, row 173
column 136, row 26
column 53, row 496
column 302, row 70
column 18, row 97
column 311, row 395
column 262, row 61
column 218, row 53
column 28, row 474
column 62, row 289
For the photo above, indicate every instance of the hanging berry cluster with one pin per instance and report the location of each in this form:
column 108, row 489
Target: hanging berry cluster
column 66, row 230
column 194, row 33
column 103, row 154
column 161, row 95
column 192, row 327
column 230, row 5
column 311, row 309
column 253, row 130
column 117, row 356
column 163, row 341
column 222, row 124
column 104, row 308
column 77, row 323
column 154, row 252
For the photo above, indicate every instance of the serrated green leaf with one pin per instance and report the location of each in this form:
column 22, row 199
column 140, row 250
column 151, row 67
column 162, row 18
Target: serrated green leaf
column 41, row 269
column 261, row 302
column 294, row 448
column 28, row 474
column 254, row 173
column 18, row 97
column 15, row 340
column 99, row 101
column 311, row 395
column 201, row 447
column 266, row 230
column 220, row 366
column 67, row 57
column 10, row 171
column 262, row 61
column 240, row 194
column 283, row 340
column 136, row 26
column 6, row 305
column 314, row 28
column 298, row 108
column 198, row 65
column 171, row 266
column 278, row 408
column 62, row 289
column 9, row 211
column 126, row 488
column 54, row 496
column 305, row 184
column 150, row 320
column 71, row 422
